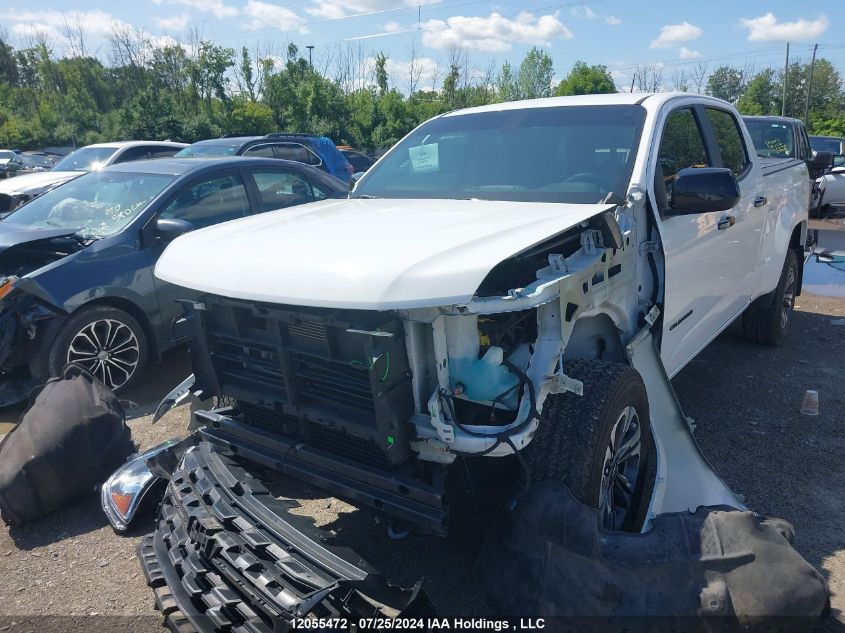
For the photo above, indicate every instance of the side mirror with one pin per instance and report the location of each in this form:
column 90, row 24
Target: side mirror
column 354, row 178
column 703, row 190
column 171, row 228
column 822, row 160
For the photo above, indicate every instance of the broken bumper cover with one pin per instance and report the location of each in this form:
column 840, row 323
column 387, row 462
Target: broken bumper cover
column 716, row 569
column 226, row 555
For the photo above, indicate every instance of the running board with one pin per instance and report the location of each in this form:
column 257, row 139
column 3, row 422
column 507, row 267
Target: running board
column 684, row 480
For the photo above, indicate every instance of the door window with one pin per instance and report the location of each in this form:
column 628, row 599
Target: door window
column 729, row 140
column 131, row 154
column 280, row 189
column 297, row 152
column 210, row 201
column 162, row 151
column 262, row 151
column 681, row 147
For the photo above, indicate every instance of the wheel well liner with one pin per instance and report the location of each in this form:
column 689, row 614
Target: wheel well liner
column 595, row 337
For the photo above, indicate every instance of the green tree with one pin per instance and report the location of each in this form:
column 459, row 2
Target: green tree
column 726, row 83
column 533, row 79
column 762, row 94
column 584, row 79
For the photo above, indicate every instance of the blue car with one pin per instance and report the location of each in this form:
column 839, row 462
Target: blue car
column 317, row 151
column 76, row 263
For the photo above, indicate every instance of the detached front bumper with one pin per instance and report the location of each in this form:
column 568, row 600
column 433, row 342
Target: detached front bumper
column 226, row 555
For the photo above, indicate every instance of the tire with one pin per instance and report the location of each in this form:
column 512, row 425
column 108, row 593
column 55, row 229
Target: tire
column 572, row 443
column 107, row 341
column 767, row 319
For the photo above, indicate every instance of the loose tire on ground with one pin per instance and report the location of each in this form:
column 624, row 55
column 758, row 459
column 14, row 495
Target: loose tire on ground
column 767, row 319
column 108, row 342
column 572, row 443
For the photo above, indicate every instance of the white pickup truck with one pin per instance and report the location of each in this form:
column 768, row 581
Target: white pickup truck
column 520, row 278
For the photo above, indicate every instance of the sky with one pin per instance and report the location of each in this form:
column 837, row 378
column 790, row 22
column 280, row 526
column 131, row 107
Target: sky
column 620, row 34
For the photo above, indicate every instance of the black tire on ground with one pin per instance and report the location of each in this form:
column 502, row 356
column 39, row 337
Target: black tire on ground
column 108, row 342
column 573, row 444
column 767, row 319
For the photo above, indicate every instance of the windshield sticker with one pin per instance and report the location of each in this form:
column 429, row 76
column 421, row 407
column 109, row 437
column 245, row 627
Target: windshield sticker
column 424, row 158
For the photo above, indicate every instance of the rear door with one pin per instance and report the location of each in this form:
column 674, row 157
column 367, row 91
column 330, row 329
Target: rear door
column 710, row 257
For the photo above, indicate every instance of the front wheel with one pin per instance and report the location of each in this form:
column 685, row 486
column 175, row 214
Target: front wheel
column 598, row 444
column 767, row 319
column 106, row 341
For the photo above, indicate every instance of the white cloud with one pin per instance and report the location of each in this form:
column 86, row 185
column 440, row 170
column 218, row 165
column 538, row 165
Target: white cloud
column 266, row 15
column 392, row 26
column 673, row 34
column 52, row 22
column 766, row 28
column 584, row 12
column 218, row 7
column 493, row 34
column 686, row 53
column 173, row 23
column 613, row 20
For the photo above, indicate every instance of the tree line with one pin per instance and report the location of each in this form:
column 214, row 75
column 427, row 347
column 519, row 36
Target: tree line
column 197, row 89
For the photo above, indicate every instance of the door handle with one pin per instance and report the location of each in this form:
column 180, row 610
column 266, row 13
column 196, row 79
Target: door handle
column 726, row 222
column 760, row 201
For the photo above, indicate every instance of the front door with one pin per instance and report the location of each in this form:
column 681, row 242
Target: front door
column 205, row 201
column 710, row 257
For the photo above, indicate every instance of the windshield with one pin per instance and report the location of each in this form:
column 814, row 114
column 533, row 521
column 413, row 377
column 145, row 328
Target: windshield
column 559, row 154
column 85, row 159
column 6, row 155
column 96, row 204
column 208, row 149
column 824, row 144
column 771, row 139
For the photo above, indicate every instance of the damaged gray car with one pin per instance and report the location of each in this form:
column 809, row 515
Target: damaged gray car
column 510, row 286
column 76, row 263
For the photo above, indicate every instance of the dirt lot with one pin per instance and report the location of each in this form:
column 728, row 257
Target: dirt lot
column 744, row 399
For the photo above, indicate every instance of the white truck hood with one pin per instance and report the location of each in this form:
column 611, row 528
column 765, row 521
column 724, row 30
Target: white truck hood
column 375, row 254
column 27, row 182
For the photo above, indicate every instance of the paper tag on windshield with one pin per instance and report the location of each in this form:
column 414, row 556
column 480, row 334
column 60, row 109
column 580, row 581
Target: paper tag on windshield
column 424, row 157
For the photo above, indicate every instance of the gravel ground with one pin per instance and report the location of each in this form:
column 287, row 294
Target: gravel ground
column 745, row 400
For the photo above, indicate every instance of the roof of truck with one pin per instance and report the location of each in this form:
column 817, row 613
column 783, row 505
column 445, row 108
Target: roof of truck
column 650, row 99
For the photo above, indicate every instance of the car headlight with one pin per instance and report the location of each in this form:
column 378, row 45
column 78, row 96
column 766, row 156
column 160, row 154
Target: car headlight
column 123, row 492
column 7, row 284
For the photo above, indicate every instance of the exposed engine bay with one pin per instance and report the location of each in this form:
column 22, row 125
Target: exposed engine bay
column 388, row 400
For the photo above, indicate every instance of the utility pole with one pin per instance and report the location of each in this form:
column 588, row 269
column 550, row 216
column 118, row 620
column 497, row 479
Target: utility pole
column 810, row 87
column 633, row 77
column 310, row 48
column 785, row 74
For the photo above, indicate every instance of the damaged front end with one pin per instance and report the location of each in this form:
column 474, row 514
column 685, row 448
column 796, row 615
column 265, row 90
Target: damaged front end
column 29, row 315
column 227, row 555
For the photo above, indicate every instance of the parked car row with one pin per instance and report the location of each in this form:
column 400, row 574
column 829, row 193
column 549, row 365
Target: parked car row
column 78, row 244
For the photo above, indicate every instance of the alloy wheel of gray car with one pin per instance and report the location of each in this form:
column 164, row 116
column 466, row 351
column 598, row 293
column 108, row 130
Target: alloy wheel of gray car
column 109, row 349
column 621, row 471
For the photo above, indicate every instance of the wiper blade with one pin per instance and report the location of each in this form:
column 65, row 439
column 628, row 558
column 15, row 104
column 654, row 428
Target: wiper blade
column 364, row 196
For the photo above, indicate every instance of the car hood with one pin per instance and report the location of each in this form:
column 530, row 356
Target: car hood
column 12, row 234
column 365, row 254
column 37, row 180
